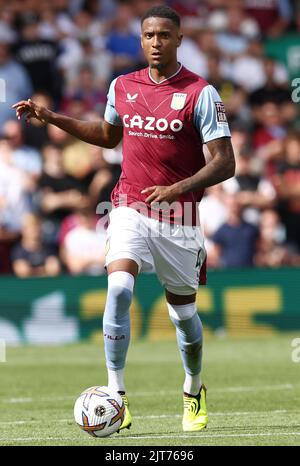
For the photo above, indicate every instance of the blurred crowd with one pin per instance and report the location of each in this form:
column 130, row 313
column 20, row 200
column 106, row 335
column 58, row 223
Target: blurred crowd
column 64, row 54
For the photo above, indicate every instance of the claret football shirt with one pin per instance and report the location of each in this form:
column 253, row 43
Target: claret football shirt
column 164, row 127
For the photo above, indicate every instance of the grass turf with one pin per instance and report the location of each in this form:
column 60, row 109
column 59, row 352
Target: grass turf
column 253, row 394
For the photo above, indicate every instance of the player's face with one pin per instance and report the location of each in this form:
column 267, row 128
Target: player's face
column 160, row 39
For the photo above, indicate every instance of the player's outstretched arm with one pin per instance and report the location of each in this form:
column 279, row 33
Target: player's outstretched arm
column 101, row 133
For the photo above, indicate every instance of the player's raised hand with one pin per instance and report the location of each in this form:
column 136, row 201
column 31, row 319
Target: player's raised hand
column 161, row 194
column 31, row 110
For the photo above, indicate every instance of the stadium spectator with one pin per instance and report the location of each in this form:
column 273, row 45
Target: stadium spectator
column 30, row 257
column 273, row 16
column 213, row 214
column 97, row 8
column 13, row 181
column 59, row 193
column 248, row 68
column 275, row 88
column 15, row 74
column 82, row 53
column 235, row 241
column 254, row 86
column 238, row 29
column 271, row 248
column 251, row 189
column 36, row 134
column 285, row 48
column 48, row 26
column 233, row 96
column 86, row 92
column 38, row 56
column 186, row 8
column 287, row 185
column 24, row 157
column 58, row 136
column 192, row 57
column 268, row 136
column 7, row 22
column 240, row 136
column 85, row 163
column 206, row 41
column 13, row 203
column 83, row 247
column 88, row 26
column 123, row 43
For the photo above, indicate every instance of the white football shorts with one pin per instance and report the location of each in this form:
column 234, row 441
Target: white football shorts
column 175, row 252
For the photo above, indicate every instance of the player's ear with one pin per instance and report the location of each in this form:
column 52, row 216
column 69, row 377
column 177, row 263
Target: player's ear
column 179, row 39
column 141, row 37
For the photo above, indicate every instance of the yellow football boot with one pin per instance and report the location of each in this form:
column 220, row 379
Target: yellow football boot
column 195, row 414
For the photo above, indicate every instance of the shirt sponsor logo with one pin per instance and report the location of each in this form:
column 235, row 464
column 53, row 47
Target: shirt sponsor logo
column 221, row 114
column 131, row 98
column 178, row 101
column 152, row 124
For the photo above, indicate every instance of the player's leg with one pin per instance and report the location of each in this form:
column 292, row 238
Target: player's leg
column 116, row 325
column 127, row 253
column 116, row 319
column 183, row 313
column 179, row 254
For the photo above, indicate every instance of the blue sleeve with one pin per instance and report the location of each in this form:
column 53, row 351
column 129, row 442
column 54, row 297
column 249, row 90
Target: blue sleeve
column 111, row 115
column 209, row 115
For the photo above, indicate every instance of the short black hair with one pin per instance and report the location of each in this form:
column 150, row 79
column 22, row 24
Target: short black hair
column 162, row 11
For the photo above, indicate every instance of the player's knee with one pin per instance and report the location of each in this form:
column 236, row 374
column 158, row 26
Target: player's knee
column 182, row 312
column 119, row 294
column 119, row 297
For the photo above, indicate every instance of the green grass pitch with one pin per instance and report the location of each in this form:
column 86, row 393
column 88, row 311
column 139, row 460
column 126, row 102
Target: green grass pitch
column 253, row 393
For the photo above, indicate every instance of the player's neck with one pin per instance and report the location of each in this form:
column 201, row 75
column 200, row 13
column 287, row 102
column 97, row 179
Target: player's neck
column 158, row 75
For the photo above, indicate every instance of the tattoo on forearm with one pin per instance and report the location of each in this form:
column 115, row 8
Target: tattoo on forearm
column 220, row 168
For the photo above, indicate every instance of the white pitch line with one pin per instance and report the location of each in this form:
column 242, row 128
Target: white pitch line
column 253, row 388
column 228, row 413
column 150, row 437
column 240, row 389
column 159, row 416
column 265, row 434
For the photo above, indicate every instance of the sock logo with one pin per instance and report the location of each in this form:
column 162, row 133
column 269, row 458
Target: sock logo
column 114, row 337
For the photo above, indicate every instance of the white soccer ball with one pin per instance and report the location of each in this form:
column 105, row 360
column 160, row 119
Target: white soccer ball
column 99, row 411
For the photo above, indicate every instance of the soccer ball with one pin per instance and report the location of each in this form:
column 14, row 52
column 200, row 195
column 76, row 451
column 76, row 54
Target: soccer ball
column 99, row 411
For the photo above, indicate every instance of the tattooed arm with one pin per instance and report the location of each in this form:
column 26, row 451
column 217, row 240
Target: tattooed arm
column 220, row 168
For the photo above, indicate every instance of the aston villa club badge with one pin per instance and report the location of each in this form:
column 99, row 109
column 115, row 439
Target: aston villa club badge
column 178, row 101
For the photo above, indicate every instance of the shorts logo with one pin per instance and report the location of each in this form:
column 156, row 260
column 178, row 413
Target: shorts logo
column 178, row 101
column 221, row 114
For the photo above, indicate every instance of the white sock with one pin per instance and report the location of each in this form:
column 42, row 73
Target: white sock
column 116, row 380
column 192, row 384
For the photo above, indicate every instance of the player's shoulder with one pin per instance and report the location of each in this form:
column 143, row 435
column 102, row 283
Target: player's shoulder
column 193, row 80
column 134, row 76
